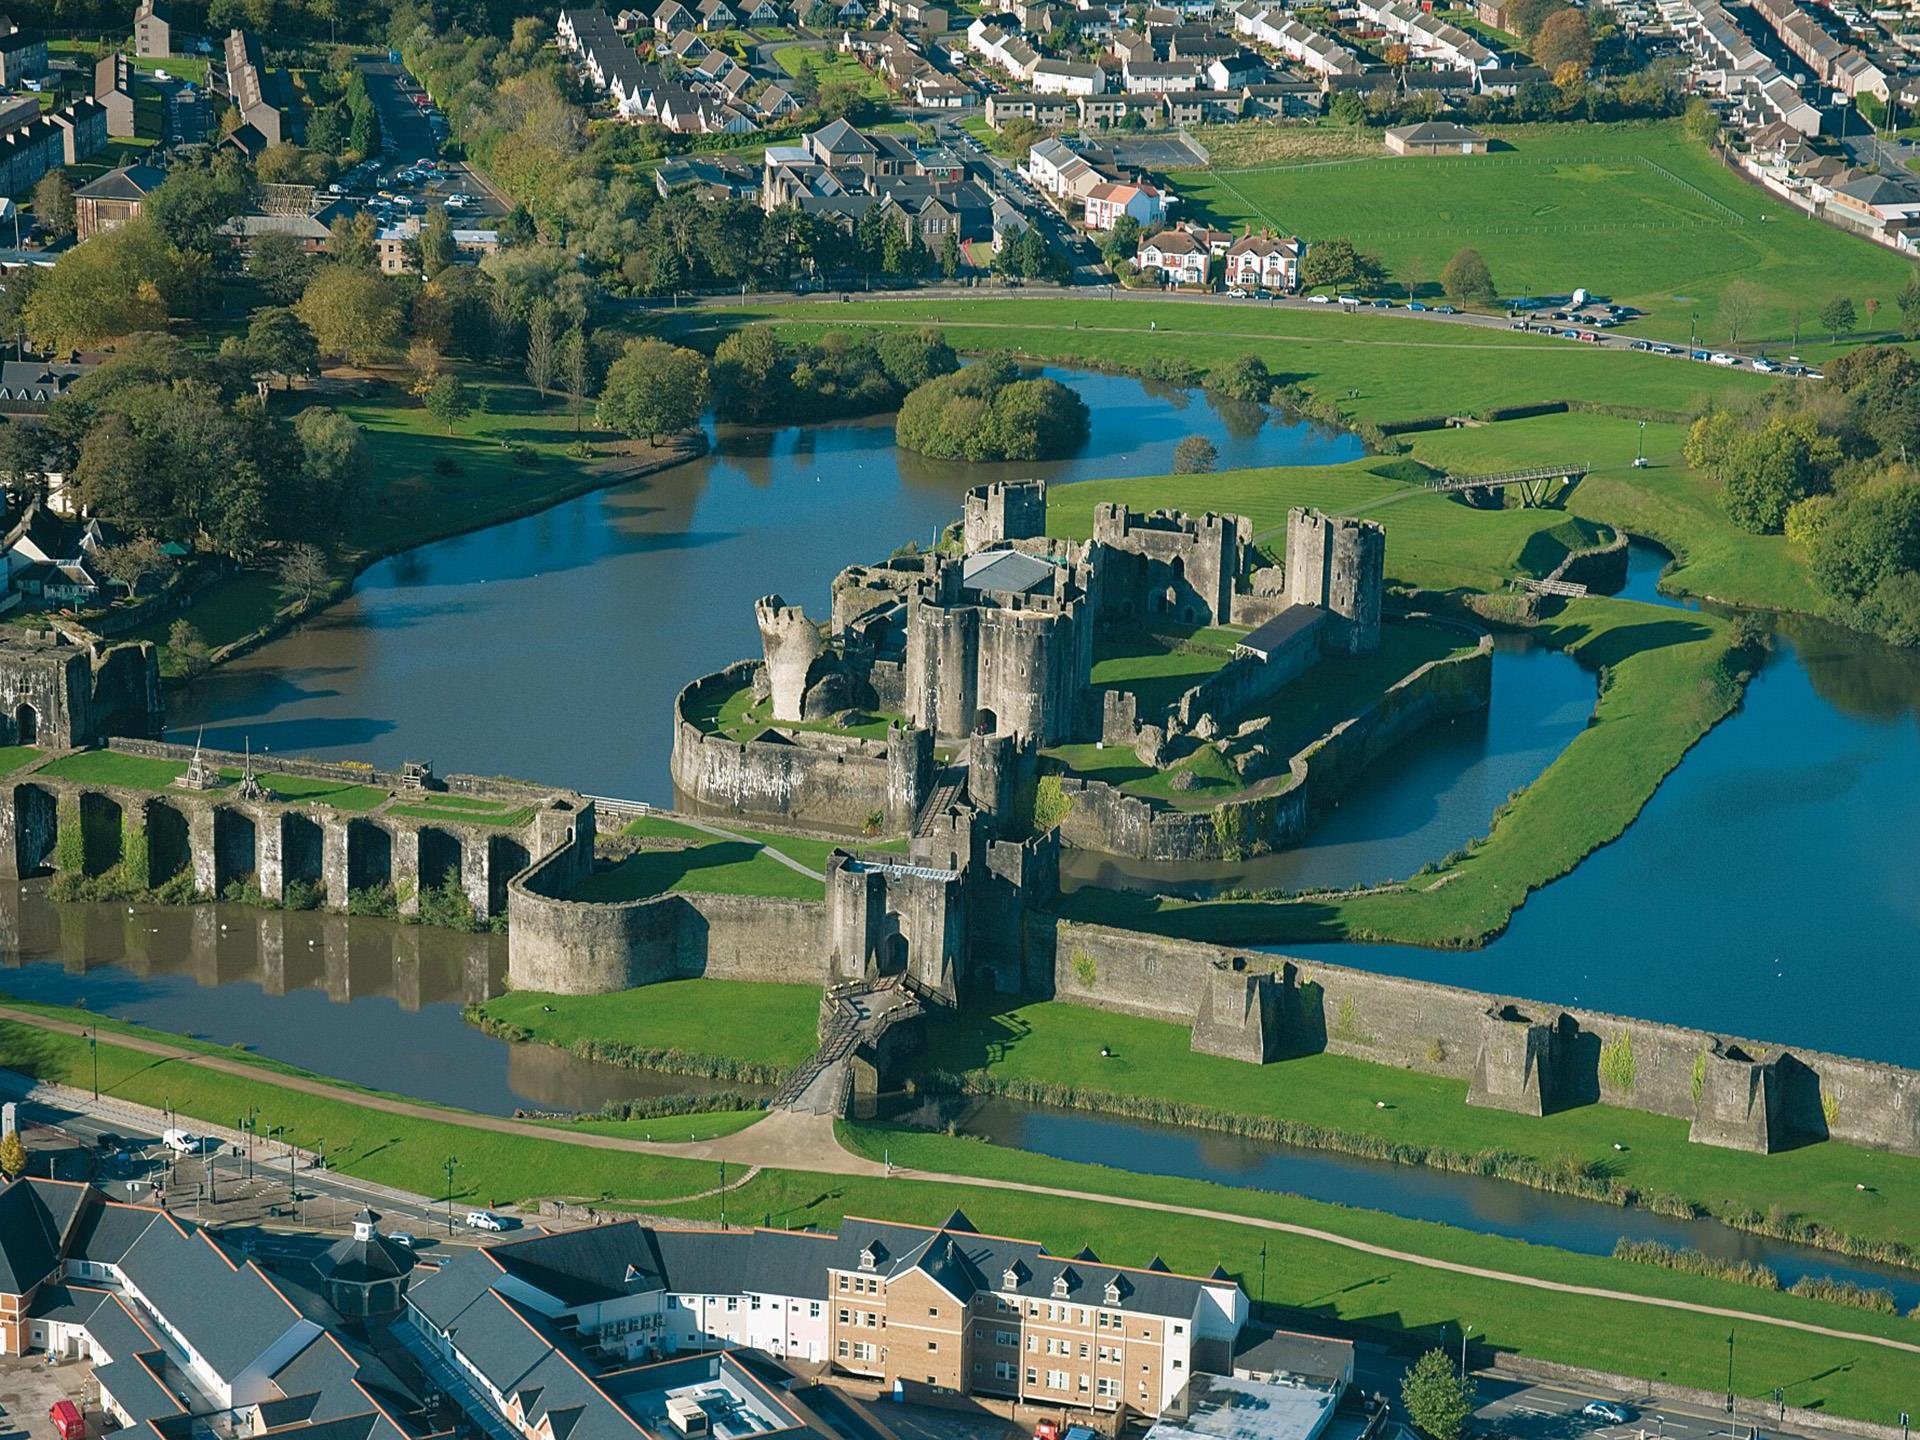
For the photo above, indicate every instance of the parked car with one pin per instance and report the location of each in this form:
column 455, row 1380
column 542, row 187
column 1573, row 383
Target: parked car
column 1665, row 350
column 1699, row 354
column 1519, row 325
column 1415, row 305
column 1721, row 357
column 484, row 1220
column 402, row 1237
column 1606, row 1410
column 1236, row 293
column 1445, row 310
column 1641, row 345
column 1319, row 300
column 1764, row 365
column 1569, row 334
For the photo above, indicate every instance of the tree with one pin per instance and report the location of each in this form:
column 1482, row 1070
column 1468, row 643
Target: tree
column 436, row 247
column 950, row 255
column 1909, row 303
column 1244, row 378
column 447, row 400
column 1837, row 317
column 1413, row 274
column 1122, row 242
column 281, row 266
column 53, row 204
column 653, row 389
column 303, row 573
column 13, row 1155
column 541, row 340
column 1195, row 455
column 1738, row 302
column 1330, row 264
column 1438, row 1399
column 132, row 562
column 573, row 369
column 1873, row 309
column 911, row 358
column 354, row 314
column 1349, row 109
column 1794, row 319
column 1700, row 121
column 189, row 650
column 1467, row 280
column 195, row 201
column 279, row 340
column 1565, row 38
column 352, row 240
column 1767, row 471
column 107, row 287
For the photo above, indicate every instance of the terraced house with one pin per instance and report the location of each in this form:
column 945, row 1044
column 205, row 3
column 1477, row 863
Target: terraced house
column 942, row 1310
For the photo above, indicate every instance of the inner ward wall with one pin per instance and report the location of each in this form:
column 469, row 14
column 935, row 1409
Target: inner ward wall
column 1436, row 1029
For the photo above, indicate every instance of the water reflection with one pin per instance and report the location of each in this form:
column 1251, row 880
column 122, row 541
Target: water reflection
column 366, row 1001
column 1469, row 1202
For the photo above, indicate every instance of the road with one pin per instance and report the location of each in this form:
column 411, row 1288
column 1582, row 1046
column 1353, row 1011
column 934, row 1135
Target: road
column 409, row 137
column 1017, row 191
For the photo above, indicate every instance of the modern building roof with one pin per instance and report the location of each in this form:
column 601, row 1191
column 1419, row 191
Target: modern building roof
column 1226, row 1407
column 129, row 182
column 1275, row 634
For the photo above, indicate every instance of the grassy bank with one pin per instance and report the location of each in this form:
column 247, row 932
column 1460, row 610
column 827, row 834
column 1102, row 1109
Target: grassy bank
column 1320, row 1279
column 1666, row 678
column 729, row 1023
column 1052, row 1052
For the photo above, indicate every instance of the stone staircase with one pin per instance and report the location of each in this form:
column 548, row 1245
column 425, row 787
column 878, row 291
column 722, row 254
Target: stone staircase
column 949, row 786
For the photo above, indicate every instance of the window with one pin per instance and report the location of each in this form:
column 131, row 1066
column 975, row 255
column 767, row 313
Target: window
column 844, row 1312
column 1083, row 1351
column 934, row 1310
column 1178, row 1364
column 1080, row 1383
column 1107, row 1388
column 1006, row 1337
column 1057, row 1380
column 1033, row 1343
column 1003, row 1370
column 813, row 1310
column 842, row 1350
column 842, row 1281
column 935, row 1345
column 1179, row 1329
column 1031, row 1374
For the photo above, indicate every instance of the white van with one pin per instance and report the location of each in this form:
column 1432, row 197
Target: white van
column 183, row 1142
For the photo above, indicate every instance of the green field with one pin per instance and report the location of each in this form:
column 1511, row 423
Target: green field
column 1052, row 1044
column 1316, row 1280
column 1157, row 667
column 797, row 60
column 1636, row 213
column 714, row 867
column 771, row 1024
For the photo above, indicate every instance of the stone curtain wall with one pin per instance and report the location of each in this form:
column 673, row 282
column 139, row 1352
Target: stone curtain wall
column 838, row 784
column 1437, row 1030
column 1106, row 819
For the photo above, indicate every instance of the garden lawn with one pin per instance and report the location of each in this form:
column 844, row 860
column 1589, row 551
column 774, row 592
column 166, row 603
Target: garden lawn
column 805, row 849
column 16, row 757
column 797, row 60
column 1669, row 684
column 1053, row 1044
column 770, row 1024
column 111, row 767
column 1157, row 667
column 1633, row 212
column 1321, row 1280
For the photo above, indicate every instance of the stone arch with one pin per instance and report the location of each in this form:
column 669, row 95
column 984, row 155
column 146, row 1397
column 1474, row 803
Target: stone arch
column 439, row 858
column 26, row 724
column 236, row 848
column 506, row 858
column 102, row 825
column 302, row 851
column 985, row 722
column 895, row 955
column 36, row 829
column 369, row 855
column 169, row 846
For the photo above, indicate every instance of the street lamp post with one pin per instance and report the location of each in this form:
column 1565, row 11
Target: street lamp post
column 1640, row 449
column 1465, row 1331
column 93, row 1048
column 452, row 1165
column 1729, row 1372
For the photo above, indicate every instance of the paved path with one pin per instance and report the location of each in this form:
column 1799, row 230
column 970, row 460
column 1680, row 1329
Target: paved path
column 792, row 1141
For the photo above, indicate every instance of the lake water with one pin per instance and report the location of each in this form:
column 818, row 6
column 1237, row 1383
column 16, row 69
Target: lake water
column 551, row 647
column 1768, row 889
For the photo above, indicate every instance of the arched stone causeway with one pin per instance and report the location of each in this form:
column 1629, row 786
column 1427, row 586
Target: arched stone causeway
column 102, row 828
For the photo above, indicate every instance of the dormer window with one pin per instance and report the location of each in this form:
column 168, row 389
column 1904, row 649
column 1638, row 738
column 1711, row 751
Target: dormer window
column 1113, row 1292
column 1010, row 1279
column 1059, row 1286
column 867, row 1258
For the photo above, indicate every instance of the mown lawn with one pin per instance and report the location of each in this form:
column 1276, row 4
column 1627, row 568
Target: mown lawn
column 1634, row 212
column 1374, row 365
column 1314, row 1278
column 714, row 867
column 466, row 810
column 1056, row 1044
column 16, row 757
column 772, row 1024
column 1159, row 666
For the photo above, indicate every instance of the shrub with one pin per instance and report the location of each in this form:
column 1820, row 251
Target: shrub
column 987, row 412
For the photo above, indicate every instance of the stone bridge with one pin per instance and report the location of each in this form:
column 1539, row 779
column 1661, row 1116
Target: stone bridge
column 164, row 812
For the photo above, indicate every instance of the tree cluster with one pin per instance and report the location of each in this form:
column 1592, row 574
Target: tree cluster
column 757, row 379
column 1834, row 467
column 989, row 411
column 171, row 443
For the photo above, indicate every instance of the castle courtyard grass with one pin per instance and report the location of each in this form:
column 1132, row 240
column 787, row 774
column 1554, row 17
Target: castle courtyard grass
column 1035, row 1045
column 1318, row 1279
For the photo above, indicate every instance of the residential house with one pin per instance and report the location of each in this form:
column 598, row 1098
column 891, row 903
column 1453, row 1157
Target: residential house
column 1111, row 199
column 1067, row 77
column 47, row 142
column 1176, row 257
column 1057, row 168
column 1269, row 25
column 1049, row 112
column 113, row 88
column 152, row 31
column 1234, row 71
column 1878, row 202
column 1161, row 77
column 1101, row 112
column 28, row 386
column 244, row 80
column 991, row 1317
column 1435, row 137
column 762, row 12
column 1265, row 262
column 1203, row 107
column 689, row 48
column 23, row 57
column 1505, row 81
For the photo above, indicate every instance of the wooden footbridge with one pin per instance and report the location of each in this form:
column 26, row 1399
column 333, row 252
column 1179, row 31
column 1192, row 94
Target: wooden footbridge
column 1538, row 487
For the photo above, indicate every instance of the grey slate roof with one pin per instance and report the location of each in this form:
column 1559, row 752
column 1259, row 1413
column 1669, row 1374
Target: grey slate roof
column 129, row 182
column 228, row 1313
column 34, row 1219
column 1006, row 572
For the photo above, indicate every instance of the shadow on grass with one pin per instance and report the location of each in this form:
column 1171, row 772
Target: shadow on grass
column 654, row 872
column 1610, row 647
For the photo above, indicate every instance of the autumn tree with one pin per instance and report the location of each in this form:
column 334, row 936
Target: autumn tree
column 653, row 389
